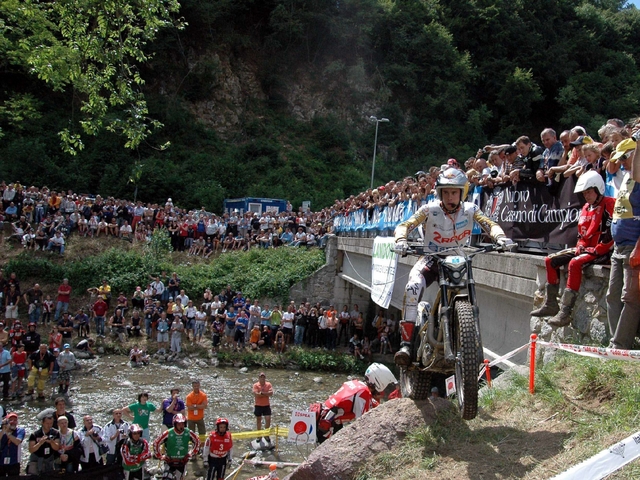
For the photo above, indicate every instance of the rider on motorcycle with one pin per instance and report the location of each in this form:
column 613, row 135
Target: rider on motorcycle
column 352, row 400
column 447, row 224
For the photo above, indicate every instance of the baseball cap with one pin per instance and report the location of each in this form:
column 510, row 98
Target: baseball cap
column 12, row 415
column 581, row 140
column 262, row 374
column 56, row 349
column 623, row 147
column 452, row 161
column 66, row 345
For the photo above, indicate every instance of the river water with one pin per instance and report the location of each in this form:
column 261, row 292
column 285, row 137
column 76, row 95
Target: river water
column 107, row 382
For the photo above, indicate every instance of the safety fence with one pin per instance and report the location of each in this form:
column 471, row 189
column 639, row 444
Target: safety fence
column 365, row 222
column 525, row 211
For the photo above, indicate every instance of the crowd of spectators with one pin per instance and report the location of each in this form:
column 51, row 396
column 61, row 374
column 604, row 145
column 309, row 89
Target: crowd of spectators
column 573, row 152
column 164, row 314
column 36, row 215
column 41, row 219
column 151, row 317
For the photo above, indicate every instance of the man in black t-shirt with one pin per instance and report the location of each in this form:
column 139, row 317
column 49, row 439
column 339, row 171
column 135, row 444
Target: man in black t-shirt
column 31, row 339
column 530, row 155
column 44, row 442
column 65, row 326
column 33, row 297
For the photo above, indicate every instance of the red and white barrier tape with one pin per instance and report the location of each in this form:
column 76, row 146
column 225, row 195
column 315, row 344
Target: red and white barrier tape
column 594, row 352
column 502, row 358
column 584, row 350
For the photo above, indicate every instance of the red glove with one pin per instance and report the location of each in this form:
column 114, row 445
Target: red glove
column 634, row 258
column 580, row 249
column 590, row 250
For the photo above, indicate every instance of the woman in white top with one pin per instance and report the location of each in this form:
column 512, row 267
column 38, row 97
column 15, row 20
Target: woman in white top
column 287, row 324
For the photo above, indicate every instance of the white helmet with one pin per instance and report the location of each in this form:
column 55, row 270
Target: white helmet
column 379, row 376
column 453, row 178
column 590, row 179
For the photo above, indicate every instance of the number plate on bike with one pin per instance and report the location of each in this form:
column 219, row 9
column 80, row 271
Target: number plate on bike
column 454, row 260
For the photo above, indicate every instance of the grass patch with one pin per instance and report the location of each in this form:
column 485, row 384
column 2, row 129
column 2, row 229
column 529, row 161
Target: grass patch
column 259, row 273
column 580, row 407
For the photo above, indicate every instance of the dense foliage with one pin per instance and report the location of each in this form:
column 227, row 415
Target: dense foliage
column 259, row 273
column 449, row 74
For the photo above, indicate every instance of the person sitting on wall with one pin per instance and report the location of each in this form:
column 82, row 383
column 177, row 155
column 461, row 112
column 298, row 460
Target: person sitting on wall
column 595, row 244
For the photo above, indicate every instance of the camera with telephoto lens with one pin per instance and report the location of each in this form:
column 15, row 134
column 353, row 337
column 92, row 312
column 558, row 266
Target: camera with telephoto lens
column 526, row 174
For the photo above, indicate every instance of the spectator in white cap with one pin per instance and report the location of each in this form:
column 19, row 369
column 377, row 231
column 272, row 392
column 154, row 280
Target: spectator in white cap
column 67, row 362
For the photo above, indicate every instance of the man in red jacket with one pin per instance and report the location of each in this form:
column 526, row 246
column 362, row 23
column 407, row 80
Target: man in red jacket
column 595, row 243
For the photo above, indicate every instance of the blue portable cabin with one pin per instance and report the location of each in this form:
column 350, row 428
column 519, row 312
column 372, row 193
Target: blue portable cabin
column 255, row 204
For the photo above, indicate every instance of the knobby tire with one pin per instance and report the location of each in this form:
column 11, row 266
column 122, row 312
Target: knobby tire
column 415, row 384
column 466, row 351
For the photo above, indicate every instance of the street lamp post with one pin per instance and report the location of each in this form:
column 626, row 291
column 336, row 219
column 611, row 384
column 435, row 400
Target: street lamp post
column 375, row 143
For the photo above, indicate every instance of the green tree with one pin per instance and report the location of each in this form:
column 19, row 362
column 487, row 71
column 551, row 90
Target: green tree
column 92, row 47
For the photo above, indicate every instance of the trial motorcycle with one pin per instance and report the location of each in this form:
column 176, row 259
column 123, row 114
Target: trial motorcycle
column 446, row 338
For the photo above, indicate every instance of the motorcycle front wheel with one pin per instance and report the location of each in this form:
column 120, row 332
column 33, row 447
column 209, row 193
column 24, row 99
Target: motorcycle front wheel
column 466, row 344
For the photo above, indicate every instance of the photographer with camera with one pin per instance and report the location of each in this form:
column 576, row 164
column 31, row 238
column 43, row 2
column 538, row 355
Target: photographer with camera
column 11, row 437
column 92, row 446
column 43, row 444
column 115, row 433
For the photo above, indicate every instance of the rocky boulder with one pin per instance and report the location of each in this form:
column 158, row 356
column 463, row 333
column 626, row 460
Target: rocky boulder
column 375, row 432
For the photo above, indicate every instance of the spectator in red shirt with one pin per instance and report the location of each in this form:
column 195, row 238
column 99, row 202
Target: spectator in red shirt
column 99, row 312
column 64, row 293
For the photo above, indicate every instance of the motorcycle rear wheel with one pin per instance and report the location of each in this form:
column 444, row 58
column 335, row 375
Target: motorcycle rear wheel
column 415, row 384
column 466, row 351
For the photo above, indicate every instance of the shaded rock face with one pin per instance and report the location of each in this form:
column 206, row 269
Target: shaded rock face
column 375, row 432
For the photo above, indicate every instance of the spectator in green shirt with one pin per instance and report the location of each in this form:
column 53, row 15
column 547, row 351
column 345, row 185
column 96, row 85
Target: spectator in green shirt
column 141, row 412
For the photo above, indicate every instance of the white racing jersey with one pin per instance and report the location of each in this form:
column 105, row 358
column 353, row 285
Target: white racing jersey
column 444, row 231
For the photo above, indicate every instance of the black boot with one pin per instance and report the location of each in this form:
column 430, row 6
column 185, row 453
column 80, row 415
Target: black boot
column 550, row 305
column 563, row 318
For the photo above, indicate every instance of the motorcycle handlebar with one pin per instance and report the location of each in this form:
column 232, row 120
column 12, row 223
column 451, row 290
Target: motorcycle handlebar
column 419, row 250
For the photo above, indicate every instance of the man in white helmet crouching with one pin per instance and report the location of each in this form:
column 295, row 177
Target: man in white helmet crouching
column 352, row 400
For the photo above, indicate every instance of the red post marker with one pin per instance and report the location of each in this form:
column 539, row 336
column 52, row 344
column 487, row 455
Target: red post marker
column 532, row 363
column 487, row 371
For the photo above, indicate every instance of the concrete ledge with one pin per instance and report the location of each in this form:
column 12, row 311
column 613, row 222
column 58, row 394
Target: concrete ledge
column 525, row 287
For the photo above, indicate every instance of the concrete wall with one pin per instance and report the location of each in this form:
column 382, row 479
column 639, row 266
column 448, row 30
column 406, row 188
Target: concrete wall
column 508, row 284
